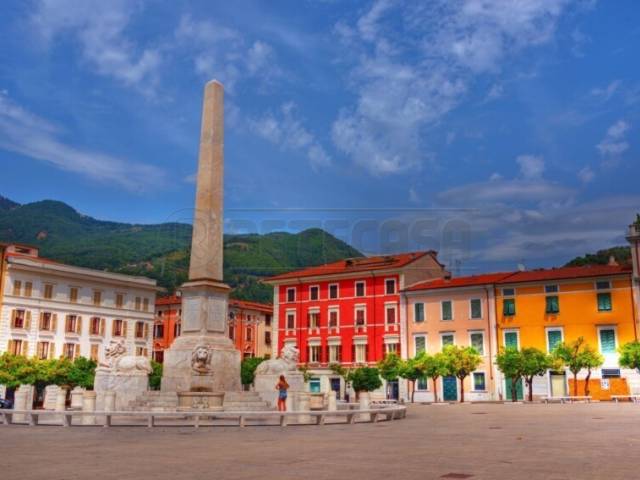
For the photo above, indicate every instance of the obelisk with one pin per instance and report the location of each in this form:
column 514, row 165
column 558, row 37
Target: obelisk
column 203, row 358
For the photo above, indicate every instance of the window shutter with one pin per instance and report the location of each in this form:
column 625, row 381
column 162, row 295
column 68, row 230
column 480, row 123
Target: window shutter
column 52, row 350
column 14, row 313
column 25, row 348
column 113, row 328
column 78, row 324
column 76, row 351
column 54, row 324
column 10, row 346
column 27, row 321
column 41, row 321
column 103, row 321
column 146, row 331
column 124, row 328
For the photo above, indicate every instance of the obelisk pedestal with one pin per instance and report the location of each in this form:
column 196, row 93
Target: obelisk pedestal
column 203, row 358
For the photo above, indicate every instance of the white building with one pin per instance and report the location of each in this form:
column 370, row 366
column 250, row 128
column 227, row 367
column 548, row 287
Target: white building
column 51, row 310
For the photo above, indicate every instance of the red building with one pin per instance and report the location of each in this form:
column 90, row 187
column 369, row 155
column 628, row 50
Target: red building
column 249, row 326
column 346, row 312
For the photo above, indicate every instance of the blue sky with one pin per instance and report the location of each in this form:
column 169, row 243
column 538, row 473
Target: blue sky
column 495, row 131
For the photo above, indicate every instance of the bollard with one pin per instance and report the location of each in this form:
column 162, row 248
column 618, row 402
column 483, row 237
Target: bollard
column 108, row 405
column 19, row 403
column 332, row 403
column 77, row 400
column 303, row 406
column 364, row 399
column 89, row 405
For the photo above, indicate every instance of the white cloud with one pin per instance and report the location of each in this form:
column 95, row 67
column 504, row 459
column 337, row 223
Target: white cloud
column 413, row 195
column 27, row 134
column 286, row 130
column 531, row 166
column 498, row 191
column 449, row 42
column 586, row 175
column 99, row 27
column 605, row 93
column 614, row 142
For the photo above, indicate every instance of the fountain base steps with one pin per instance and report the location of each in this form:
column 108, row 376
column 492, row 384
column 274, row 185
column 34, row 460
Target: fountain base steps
column 244, row 402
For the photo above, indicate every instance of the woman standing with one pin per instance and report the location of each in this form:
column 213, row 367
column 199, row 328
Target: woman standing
column 282, row 386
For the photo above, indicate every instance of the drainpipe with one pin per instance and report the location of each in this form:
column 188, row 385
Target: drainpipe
column 486, row 291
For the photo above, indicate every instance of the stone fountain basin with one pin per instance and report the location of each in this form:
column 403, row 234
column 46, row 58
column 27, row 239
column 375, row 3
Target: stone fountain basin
column 200, row 401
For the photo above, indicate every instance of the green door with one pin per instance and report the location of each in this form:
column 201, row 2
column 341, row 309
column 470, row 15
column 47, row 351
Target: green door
column 450, row 389
column 507, row 389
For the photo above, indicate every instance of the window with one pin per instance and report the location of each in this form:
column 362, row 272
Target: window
column 314, row 385
column 604, row 302
column 314, row 319
column 314, row 353
column 72, row 324
column 607, row 340
column 391, row 348
column 554, row 337
column 267, row 320
column 552, row 304
column 419, row 344
column 447, row 339
column 46, row 321
column 95, row 325
column 145, row 304
column 361, row 353
column 232, row 332
column 73, row 294
column 119, row 300
column 360, row 316
column 177, row 328
column 17, row 347
column 511, row 339
column 477, row 341
column 333, row 291
column 139, row 332
column 476, row 308
column 95, row 352
column 610, row 373
column 390, row 286
column 118, row 328
column 479, row 383
column 418, row 312
column 17, row 288
column 42, row 350
column 138, row 301
column 508, row 307
column 360, row 289
column 48, row 291
column 603, row 285
column 248, row 334
column 97, row 298
column 508, row 292
column 291, row 320
column 158, row 331
column 267, row 338
column 141, row 351
column 551, row 288
column 335, row 354
column 421, row 384
column 314, row 292
column 333, row 318
column 447, row 310
column 291, row 294
column 390, row 316
column 70, row 350
column 19, row 319
column 28, row 289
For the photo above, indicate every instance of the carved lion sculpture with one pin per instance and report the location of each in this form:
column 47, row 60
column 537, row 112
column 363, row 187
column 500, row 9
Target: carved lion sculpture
column 119, row 362
column 288, row 362
column 201, row 359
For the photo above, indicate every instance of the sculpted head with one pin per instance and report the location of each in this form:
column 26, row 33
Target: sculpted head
column 290, row 353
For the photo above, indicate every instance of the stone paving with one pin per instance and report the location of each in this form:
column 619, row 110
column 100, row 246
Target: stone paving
column 490, row 441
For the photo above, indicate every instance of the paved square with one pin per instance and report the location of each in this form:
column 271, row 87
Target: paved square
column 596, row 441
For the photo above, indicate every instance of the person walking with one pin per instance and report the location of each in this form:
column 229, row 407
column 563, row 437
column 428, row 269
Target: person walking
column 282, row 386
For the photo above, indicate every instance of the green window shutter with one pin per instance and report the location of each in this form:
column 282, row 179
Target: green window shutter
column 420, row 344
column 419, row 312
column 608, row 341
column 476, row 308
column 604, row 302
column 509, row 306
column 554, row 337
column 477, row 342
column 479, row 381
column 422, row 384
column 553, row 304
column 446, row 310
column 511, row 340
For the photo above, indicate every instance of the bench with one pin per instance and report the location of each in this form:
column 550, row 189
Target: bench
column 568, row 399
column 631, row 398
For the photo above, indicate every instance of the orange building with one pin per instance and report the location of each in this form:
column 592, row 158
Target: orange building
column 541, row 308
column 249, row 326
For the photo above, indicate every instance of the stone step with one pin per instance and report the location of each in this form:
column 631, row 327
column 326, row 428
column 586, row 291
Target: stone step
column 244, row 404
column 239, row 396
column 239, row 408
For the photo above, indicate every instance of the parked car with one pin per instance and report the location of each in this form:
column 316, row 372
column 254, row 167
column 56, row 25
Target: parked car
column 4, row 403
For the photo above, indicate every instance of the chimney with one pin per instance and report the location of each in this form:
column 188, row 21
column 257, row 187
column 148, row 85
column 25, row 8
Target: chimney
column 612, row 261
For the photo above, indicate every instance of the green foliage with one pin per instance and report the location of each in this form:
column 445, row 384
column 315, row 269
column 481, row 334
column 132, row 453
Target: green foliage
column 155, row 377
column 389, row 367
column 366, row 379
column 534, row 362
column 162, row 251
column 578, row 355
column 345, row 373
column 306, row 374
column 17, row 370
column 630, row 355
column 511, row 363
column 412, row 370
column 82, row 373
column 248, row 369
column 621, row 254
column 460, row 362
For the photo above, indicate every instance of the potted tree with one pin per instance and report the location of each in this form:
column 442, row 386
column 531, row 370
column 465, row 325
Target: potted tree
column 534, row 362
column 461, row 361
column 510, row 363
column 389, row 369
column 365, row 380
column 434, row 366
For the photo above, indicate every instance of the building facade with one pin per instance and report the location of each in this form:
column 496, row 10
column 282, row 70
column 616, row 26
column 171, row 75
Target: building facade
column 52, row 310
column 454, row 311
column 249, row 326
column 541, row 308
column 347, row 312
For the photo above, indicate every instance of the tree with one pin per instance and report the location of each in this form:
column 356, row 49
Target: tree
column 389, row 368
column 629, row 355
column 434, row 367
column 511, row 363
column 576, row 356
column 155, row 377
column 306, row 374
column 345, row 373
column 413, row 370
column 248, row 369
column 534, row 362
column 461, row 361
column 82, row 373
column 366, row 379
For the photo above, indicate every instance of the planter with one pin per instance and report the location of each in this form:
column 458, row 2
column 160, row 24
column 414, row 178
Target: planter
column 316, row 401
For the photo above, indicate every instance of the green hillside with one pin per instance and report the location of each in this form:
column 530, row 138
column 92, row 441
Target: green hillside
column 162, row 251
column 622, row 255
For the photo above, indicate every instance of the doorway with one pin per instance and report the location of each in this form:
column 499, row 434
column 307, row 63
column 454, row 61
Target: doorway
column 507, row 389
column 558, row 381
column 450, row 389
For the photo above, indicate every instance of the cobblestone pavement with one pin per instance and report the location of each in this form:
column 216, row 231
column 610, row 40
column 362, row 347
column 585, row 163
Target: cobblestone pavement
column 594, row 441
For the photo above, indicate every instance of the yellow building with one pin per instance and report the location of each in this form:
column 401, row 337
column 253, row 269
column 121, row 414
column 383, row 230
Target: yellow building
column 541, row 308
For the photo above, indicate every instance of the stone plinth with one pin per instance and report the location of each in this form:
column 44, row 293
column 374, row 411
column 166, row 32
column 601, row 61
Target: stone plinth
column 127, row 387
column 265, row 385
column 50, row 397
column 211, row 401
column 89, row 405
column 76, row 398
